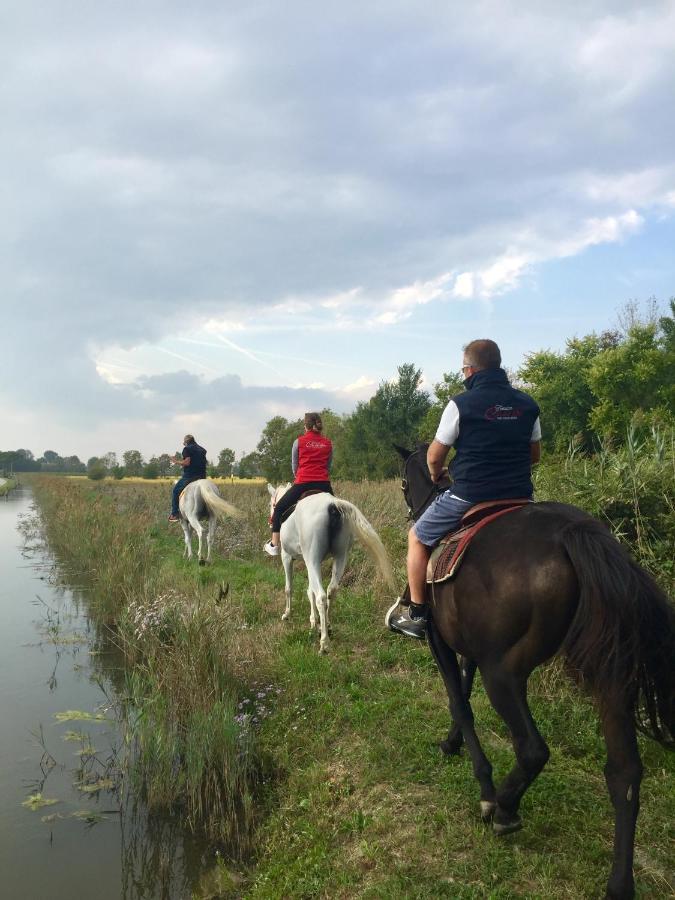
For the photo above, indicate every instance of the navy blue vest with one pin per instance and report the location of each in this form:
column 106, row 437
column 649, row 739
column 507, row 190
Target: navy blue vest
column 197, row 467
column 493, row 448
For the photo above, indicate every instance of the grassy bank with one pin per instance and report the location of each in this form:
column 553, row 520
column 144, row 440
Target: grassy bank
column 6, row 485
column 320, row 776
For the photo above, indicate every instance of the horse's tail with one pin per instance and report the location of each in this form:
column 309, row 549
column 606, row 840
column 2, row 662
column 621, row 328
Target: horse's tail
column 361, row 527
column 622, row 639
column 215, row 502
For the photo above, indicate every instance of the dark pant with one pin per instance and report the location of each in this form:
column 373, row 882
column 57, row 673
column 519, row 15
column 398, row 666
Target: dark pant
column 292, row 496
column 179, row 486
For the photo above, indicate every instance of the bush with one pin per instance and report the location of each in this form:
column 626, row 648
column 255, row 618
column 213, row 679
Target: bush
column 97, row 471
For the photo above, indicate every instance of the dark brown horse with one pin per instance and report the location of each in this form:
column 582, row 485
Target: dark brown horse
column 548, row 579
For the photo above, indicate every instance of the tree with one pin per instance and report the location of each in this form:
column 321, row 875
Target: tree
column 444, row 391
column 226, row 460
column 393, row 415
column 151, row 469
column 559, row 382
column 96, row 469
column 133, row 462
column 109, row 460
column 165, row 465
column 249, row 465
column 274, row 448
column 634, row 382
column 73, row 464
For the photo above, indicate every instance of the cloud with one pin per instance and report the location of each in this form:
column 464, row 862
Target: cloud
column 263, row 173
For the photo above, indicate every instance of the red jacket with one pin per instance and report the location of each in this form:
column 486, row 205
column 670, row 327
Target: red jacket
column 314, row 453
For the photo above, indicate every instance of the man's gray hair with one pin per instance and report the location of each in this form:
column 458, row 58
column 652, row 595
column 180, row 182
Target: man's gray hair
column 483, row 354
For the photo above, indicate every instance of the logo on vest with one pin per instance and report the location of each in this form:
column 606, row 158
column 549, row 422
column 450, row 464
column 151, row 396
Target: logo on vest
column 499, row 413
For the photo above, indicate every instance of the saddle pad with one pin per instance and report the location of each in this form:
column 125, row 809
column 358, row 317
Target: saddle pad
column 445, row 559
column 291, row 509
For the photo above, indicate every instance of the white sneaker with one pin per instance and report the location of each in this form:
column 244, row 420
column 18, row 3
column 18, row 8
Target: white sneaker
column 271, row 549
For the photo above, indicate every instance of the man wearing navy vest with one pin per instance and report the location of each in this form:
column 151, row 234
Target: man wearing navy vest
column 496, row 434
column 193, row 462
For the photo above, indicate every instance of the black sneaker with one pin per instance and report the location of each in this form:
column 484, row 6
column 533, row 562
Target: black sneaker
column 404, row 623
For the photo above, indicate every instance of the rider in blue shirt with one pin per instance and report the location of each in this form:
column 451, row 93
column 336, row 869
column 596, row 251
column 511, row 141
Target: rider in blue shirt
column 495, row 431
column 193, row 462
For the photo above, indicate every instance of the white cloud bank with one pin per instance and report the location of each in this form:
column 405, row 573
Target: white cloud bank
column 226, row 171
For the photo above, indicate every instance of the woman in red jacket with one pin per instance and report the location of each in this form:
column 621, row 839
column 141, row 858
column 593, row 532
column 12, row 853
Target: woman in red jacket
column 311, row 459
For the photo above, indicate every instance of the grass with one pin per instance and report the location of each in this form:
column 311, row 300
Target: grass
column 6, row 485
column 321, row 776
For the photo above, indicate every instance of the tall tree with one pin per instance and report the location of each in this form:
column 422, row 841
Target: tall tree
column 274, row 448
column 392, row 416
column 249, row 465
column 133, row 462
column 226, row 460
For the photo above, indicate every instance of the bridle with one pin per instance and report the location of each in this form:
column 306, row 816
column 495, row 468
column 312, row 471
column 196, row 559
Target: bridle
column 415, row 512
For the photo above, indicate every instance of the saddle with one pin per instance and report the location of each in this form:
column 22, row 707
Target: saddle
column 446, row 558
column 303, row 496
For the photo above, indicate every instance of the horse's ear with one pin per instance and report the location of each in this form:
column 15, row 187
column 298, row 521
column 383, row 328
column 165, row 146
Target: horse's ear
column 402, row 452
column 422, row 445
column 271, row 489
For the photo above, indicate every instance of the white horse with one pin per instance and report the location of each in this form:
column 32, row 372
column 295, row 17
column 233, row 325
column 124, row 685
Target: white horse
column 198, row 500
column 323, row 525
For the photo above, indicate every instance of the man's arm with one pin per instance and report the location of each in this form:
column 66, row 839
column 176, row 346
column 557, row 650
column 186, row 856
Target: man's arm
column 535, row 443
column 436, row 455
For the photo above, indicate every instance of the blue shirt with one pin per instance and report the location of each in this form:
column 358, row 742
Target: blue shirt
column 197, row 466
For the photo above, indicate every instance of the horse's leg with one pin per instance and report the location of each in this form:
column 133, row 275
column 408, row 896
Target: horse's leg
column 197, row 525
column 462, row 714
column 287, row 561
column 209, row 535
column 188, row 539
column 339, row 563
column 317, row 599
column 623, row 773
column 454, row 740
column 508, row 695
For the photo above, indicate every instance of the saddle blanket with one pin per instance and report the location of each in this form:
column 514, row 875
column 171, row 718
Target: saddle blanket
column 446, row 558
column 291, row 509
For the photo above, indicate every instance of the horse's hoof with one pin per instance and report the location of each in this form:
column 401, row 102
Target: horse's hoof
column 487, row 810
column 451, row 747
column 323, row 650
column 202, row 562
column 508, row 824
column 284, row 617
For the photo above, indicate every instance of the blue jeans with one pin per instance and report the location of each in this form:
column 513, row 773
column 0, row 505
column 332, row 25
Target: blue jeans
column 443, row 516
column 179, row 486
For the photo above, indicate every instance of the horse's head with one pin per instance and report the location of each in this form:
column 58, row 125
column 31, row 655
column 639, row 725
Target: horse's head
column 418, row 488
column 276, row 493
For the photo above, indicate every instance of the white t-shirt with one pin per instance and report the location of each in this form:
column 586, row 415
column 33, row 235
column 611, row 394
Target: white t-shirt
column 448, row 427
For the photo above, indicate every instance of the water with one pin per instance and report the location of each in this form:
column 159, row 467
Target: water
column 51, row 661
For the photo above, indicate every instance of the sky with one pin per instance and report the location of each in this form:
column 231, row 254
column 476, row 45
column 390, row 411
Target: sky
column 218, row 212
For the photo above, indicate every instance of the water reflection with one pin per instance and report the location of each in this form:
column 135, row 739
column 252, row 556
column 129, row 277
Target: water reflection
column 70, row 823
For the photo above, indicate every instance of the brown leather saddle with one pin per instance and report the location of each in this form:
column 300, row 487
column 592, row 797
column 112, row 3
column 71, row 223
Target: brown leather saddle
column 446, row 558
column 303, row 496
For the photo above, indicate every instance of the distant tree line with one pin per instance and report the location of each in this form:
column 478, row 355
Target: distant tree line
column 589, row 394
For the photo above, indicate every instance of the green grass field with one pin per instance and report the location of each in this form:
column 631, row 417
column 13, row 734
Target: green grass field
column 320, row 776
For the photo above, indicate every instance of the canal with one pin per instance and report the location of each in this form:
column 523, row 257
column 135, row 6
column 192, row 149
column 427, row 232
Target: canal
column 69, row 824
